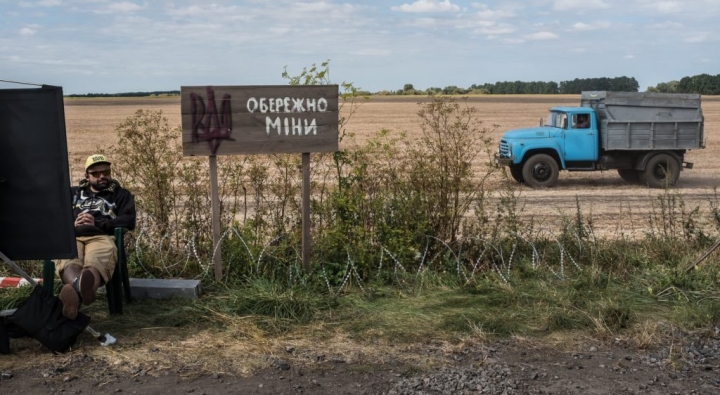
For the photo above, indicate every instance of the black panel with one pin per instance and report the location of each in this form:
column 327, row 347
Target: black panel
column 35, row 209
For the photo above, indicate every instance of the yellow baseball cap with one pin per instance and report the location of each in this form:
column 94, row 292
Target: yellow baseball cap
column 94, row 159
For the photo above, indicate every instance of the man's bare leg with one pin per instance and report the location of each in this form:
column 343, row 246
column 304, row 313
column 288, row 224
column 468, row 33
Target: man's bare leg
column 70, row 273
column 90, row 281
column 68, row 295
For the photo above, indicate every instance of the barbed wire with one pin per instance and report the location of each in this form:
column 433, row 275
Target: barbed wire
column 501, row 264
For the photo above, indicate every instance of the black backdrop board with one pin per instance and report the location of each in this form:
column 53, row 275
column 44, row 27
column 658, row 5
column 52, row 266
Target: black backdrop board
column 36, row 219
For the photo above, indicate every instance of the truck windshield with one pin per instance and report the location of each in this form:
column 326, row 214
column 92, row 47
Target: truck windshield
column 557, row 119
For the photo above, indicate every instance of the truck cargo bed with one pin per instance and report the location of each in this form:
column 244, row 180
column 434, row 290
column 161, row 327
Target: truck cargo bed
column 647, row 121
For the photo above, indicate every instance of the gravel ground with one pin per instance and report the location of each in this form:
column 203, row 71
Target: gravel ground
column 688, row 364
column 681, row 363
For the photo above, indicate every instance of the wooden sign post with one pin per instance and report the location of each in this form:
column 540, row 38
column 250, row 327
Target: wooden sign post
column 270, row 119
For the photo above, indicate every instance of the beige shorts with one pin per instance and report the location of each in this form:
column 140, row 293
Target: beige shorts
column 99, row 252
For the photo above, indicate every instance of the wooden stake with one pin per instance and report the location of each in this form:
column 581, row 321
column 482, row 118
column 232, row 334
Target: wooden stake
column 306, row 211
column 215, row 202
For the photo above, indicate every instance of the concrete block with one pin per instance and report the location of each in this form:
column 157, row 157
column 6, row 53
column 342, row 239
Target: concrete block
column 154, row 288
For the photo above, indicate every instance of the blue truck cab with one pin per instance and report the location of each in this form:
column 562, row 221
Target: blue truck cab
column 610, row 130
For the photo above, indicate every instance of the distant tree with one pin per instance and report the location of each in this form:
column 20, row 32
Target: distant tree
column 704, row 84
column 598, row 84
column 478, row 91
column 408, row 87
column 672, row 86
column 551, row 88
column 530, row 87
column 450, row 90
column 434, row 91
column 625, row 84
column 665, row 87
column 477, row 87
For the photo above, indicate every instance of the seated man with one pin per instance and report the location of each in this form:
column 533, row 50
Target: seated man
column 583, row 121
column 100, row 205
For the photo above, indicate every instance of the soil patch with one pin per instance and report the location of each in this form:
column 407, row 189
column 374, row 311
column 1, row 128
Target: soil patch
column 682, row 363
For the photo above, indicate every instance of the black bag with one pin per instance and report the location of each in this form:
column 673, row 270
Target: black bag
column 4, row 338
column 40, row 317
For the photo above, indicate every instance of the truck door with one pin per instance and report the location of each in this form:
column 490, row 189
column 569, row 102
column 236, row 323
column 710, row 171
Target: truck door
column 581, row 139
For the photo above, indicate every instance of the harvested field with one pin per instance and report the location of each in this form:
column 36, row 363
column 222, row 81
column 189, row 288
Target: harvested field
column 616, row 207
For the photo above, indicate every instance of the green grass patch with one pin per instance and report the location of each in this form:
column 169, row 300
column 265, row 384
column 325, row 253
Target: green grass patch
column 595, row 301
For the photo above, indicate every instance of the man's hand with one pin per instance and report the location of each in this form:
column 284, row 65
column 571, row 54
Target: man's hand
column 84, row 219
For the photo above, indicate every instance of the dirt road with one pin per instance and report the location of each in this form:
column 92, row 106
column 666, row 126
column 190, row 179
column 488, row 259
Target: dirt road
column 684, row 363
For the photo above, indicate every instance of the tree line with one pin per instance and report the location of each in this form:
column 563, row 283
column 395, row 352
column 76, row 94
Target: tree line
column 627, row 84
column 704, row 84
column 576, row 86
column 129, row 94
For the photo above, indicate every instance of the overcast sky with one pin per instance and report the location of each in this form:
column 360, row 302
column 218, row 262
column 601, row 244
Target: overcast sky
column 106, row 46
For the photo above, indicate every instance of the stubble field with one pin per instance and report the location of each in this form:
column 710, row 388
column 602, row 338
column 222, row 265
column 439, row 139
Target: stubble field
column 616, row 207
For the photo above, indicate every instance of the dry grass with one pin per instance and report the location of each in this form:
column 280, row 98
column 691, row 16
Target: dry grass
column 224, row 344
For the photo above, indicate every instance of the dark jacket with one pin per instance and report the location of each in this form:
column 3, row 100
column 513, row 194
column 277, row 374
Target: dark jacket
column 113, row 207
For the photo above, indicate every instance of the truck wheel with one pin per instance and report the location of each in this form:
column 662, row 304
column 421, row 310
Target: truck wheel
column 516, row 173
column 661, row 171
column 629, row 175
column 540, row 170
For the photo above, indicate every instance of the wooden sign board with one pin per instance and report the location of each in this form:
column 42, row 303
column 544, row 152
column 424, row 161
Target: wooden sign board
column 229, row 120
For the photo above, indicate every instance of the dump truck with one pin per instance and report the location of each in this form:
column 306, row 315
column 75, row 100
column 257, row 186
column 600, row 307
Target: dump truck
column 642, row 135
